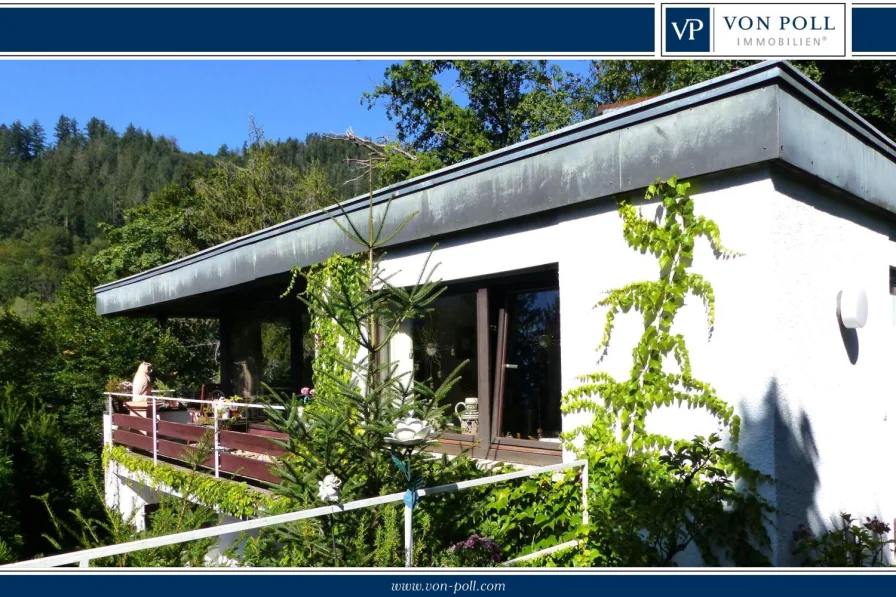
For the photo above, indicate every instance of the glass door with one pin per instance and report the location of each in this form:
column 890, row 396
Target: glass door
column 527, row 372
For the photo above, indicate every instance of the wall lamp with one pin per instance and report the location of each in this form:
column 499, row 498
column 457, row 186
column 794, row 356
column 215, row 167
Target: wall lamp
column 852, row 307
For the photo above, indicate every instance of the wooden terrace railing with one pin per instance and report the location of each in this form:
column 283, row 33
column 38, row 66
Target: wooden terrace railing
column 247, row 453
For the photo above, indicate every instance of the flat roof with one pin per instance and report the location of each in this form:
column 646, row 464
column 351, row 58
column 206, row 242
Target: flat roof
column 764, row 113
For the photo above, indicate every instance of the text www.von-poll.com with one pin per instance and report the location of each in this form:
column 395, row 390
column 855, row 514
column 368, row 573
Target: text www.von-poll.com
column 470, row 586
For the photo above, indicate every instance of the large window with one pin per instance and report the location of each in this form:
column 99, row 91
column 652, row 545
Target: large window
column 276, row 361
column 508, row 328
column 263, row 349
column 443, row 340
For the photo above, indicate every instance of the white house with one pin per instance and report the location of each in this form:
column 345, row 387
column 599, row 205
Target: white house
column 797, row 182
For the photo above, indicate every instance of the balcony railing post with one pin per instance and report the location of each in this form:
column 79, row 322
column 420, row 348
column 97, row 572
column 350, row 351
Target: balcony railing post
column 408, row 536
column 84, row 564
column 155, row 432
column 585, row 493
column 107, row 422
column 217, row 452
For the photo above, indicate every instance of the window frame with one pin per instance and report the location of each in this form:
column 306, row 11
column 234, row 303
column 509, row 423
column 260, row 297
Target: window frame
column 488, row 444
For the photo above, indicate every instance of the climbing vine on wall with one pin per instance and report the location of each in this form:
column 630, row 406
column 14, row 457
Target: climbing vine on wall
column 655, row 495
column 229, row 497
column 333, row 346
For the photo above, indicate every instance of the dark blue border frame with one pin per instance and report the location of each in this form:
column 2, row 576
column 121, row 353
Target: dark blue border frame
column 582, row 29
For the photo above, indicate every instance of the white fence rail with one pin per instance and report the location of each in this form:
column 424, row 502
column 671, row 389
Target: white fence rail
column 166, row 398
column 83, row 558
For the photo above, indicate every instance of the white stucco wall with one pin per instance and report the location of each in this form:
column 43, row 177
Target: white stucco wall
column 810, row 417
column 125, row 494
column 835, row 403
column 592, row 257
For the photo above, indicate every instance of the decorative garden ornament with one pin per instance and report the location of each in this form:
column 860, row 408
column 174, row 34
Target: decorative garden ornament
column 467, row 413
column 470, row 406
column 411, row 430
column 469, row 424
column 328, row 489
column 142, row 384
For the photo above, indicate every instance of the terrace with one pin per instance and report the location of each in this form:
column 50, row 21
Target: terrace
column 172, row 429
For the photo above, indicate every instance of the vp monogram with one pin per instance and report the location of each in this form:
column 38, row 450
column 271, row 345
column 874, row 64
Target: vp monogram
column 691, row 26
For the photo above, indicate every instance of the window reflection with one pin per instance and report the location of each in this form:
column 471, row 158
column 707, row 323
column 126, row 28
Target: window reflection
column 442, row 340
column 276, row 346
column 532, row 369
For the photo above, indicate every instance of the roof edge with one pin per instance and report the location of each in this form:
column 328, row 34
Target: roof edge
column 758, row 75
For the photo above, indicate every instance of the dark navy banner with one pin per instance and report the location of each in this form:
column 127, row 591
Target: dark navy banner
column 536, row 584
column 872, row 29
column 279, row 30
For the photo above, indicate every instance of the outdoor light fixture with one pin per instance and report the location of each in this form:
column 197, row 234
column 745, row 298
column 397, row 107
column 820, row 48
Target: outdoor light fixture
column 852, row 307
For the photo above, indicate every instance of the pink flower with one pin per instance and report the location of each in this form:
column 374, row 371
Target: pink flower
column 312, row 392
column 305, row 391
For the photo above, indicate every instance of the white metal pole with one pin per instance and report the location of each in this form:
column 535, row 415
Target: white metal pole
column 217, row 453
column 408, row 537
column 84, row 564
column 155, row 434
column 585, row 493
column 107, row 423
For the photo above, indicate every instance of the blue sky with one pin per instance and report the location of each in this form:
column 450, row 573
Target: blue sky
column 201, row 103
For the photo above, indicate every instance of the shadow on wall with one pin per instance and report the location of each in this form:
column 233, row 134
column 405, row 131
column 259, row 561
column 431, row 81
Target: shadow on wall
column 787, row 438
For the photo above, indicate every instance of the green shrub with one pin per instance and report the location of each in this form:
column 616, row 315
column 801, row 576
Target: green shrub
column 533, row 514
column 851, row 544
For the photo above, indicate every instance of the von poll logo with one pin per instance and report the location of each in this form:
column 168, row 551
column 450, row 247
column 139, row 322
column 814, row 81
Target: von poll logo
column 688, row 30
column 691, row 27
column 754, row 30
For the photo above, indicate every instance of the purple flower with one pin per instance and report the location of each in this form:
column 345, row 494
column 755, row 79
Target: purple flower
column 496, row 558
column 878, row 527
column 469, row 544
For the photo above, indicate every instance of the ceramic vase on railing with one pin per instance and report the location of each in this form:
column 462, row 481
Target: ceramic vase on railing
column 467, row 413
